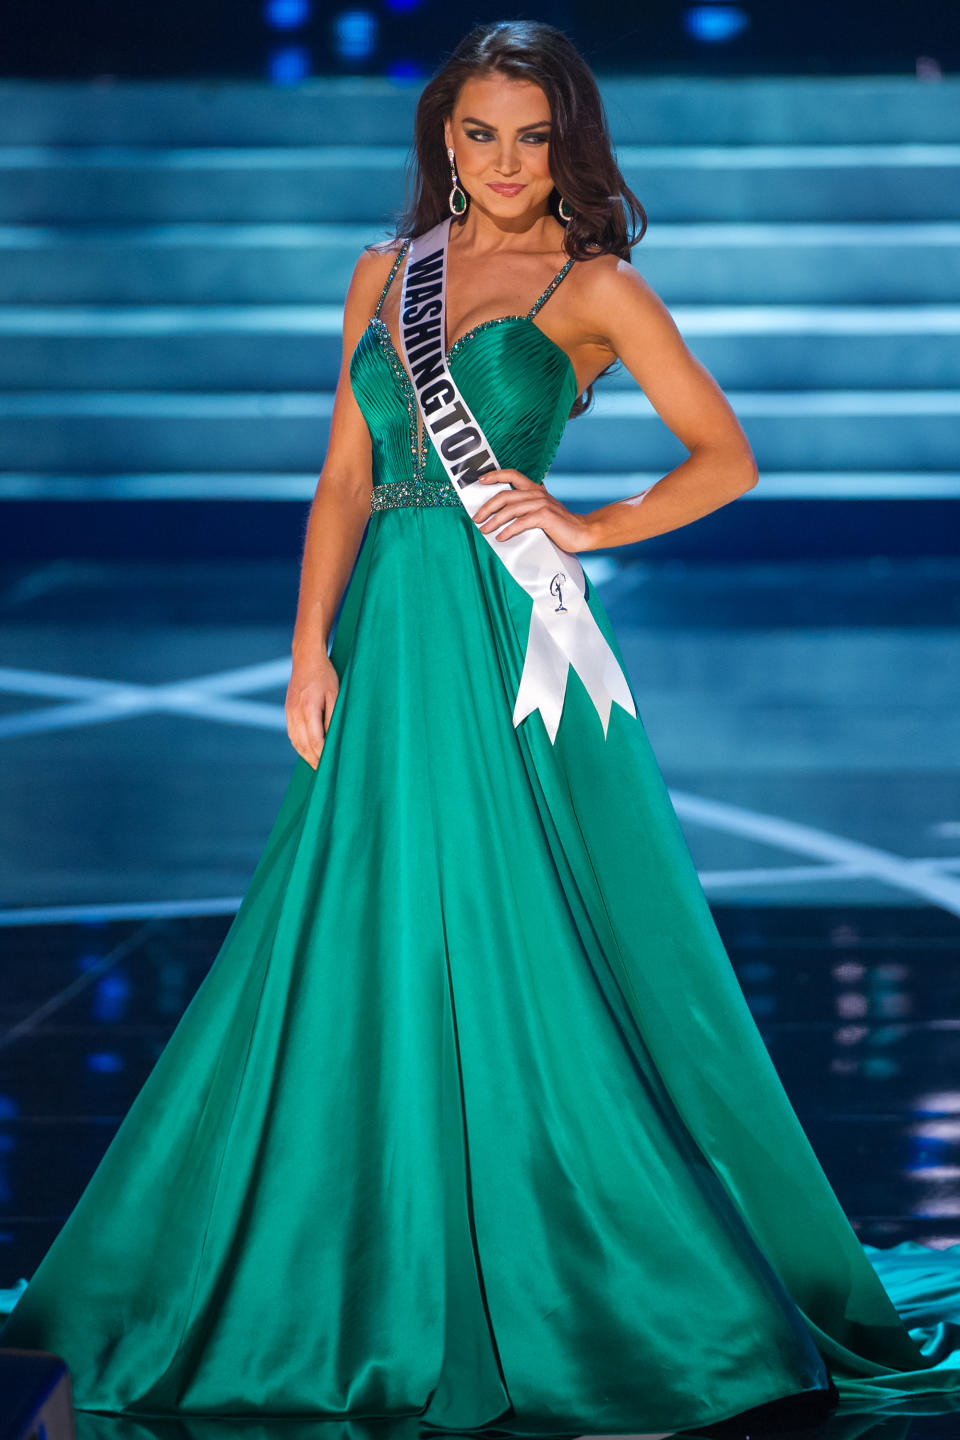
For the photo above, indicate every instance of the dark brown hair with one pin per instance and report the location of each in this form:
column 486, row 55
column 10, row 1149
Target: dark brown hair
column 582, row 163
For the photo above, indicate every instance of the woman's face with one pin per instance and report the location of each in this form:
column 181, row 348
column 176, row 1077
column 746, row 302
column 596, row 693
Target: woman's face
column 499, row 132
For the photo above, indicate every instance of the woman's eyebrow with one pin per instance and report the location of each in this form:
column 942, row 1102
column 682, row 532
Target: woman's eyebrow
column 472, row 119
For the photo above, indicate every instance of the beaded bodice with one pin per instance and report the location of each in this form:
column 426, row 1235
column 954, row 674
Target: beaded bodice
column 518, row 382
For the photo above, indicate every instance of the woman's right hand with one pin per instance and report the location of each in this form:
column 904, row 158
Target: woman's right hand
column 311, row 695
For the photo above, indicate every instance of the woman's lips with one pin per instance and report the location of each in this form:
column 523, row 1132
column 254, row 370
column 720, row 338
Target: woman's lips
column 508, row 189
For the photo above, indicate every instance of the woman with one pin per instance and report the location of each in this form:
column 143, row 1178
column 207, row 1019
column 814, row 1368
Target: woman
column 469, row 1120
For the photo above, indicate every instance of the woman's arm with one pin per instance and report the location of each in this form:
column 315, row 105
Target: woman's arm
column 338, row 516
column 635, row 325
column 612, row 313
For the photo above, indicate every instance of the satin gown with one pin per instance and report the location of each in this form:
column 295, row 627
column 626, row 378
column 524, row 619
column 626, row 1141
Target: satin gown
column 469, row 1120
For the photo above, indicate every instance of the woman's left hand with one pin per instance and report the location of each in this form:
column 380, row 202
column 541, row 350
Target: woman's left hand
column 526, row 506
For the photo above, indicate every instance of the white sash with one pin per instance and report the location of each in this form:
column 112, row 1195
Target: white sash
column 561, row 634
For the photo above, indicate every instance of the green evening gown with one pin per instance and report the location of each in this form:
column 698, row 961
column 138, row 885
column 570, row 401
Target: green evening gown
column 469, row 1119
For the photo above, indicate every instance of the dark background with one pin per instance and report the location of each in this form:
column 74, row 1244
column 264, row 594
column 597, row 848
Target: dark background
column 293, row 38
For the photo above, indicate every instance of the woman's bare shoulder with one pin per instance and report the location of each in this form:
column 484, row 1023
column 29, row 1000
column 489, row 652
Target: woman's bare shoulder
column 603, row 273
column 611, row 286
column 595, row 286
column 373, row 266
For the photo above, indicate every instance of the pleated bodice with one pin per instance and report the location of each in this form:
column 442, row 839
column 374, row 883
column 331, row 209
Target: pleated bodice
column 518, row 382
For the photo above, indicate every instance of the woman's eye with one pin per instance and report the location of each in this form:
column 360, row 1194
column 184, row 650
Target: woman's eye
column 482, row 135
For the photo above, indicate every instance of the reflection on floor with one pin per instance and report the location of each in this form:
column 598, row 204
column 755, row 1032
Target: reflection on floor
column 803, row 715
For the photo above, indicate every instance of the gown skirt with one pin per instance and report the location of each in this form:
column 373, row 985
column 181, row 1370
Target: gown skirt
column 469, row 1120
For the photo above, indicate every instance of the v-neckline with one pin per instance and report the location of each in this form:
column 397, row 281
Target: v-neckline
column 468, row 335
column 397, row 363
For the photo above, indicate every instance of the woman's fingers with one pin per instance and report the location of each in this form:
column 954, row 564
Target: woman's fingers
column 303, row 745
column 513, row 504
column 316, row 731
column 312, row 729
column 308, row 720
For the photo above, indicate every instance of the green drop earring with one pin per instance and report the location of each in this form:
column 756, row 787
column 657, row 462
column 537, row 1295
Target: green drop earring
column 458, row 197
column 564, row 211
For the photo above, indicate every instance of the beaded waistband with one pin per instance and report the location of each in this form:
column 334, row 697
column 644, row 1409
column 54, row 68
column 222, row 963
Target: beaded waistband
column 414, row 492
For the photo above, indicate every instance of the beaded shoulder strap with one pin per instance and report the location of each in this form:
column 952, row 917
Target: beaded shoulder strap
column 550, row 288
column 396, row 264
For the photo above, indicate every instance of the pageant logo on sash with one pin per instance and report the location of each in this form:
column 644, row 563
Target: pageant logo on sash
column 560, row 635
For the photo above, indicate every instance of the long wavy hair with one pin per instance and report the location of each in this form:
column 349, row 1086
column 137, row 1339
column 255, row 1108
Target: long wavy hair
column 582, row 162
